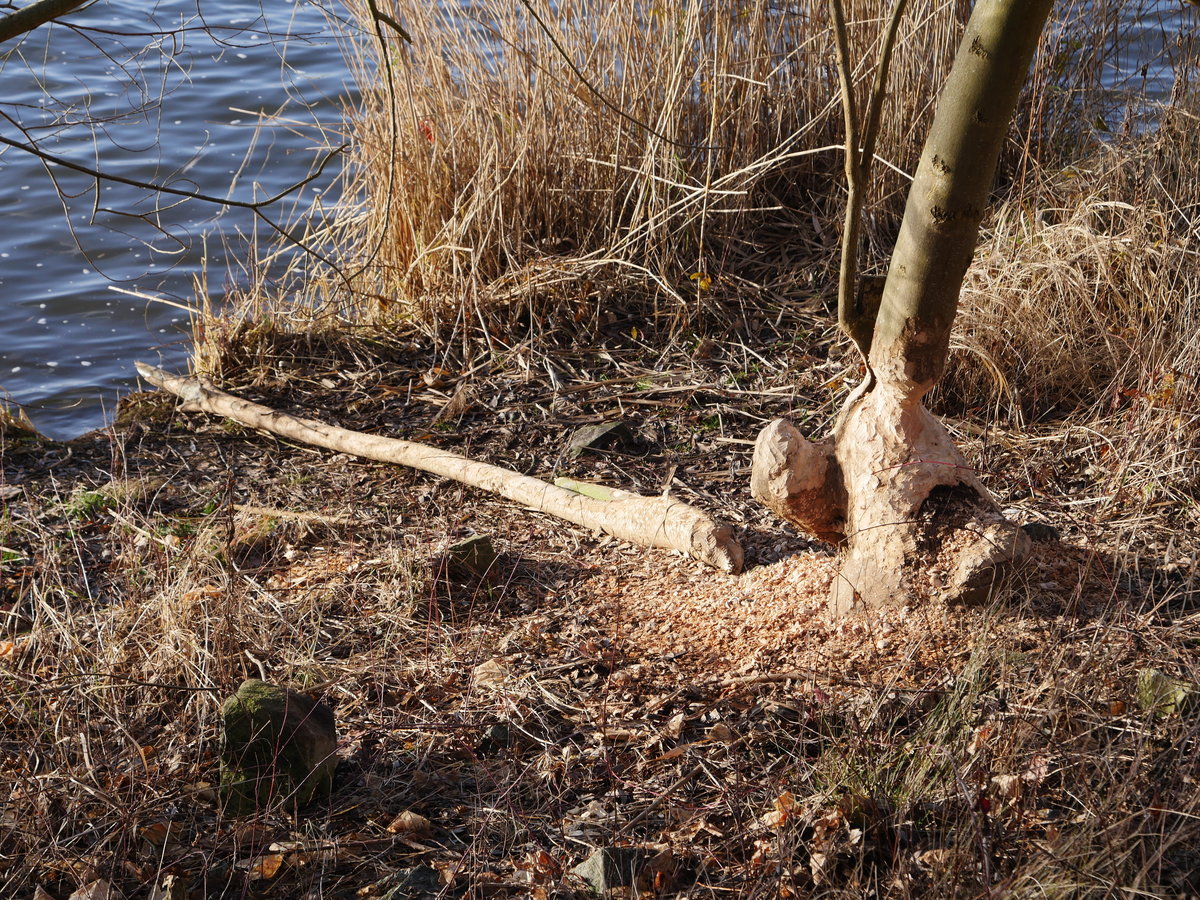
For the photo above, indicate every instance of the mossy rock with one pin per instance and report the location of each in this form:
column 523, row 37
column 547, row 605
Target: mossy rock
column 474, row 557
column 278, row 748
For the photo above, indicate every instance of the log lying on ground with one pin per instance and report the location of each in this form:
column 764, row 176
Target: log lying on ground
column 645, row 521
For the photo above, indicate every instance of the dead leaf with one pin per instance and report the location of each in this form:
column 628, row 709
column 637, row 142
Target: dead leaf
column 492, row 673
column 782, row 810
column 1008, row 786
column 160, row 834
column 720, row 732
column 266, row 867
column 99, row 889
column 1038, row 771
column 819, row 864
column 979, row 739
column 411, row 823
column 674, row 726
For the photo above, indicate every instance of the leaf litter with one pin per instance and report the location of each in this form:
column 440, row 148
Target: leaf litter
column 496, row 733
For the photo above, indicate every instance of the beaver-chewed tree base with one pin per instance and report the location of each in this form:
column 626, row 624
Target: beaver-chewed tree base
column 889, row 487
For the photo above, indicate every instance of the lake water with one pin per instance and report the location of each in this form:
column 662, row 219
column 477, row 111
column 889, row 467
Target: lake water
column 237, row 109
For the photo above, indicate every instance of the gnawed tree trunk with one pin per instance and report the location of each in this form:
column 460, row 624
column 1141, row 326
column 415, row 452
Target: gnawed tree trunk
column 645, row 521
column 888, row 484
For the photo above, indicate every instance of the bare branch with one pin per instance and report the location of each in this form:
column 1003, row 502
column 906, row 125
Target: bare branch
column 34, row 15
column 165, row 189
column 857, row 307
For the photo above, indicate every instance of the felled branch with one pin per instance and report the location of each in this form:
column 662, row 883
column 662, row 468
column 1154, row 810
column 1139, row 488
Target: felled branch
column 645, row 521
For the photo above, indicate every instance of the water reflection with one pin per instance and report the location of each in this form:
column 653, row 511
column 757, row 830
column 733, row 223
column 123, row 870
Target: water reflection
column 206, row 99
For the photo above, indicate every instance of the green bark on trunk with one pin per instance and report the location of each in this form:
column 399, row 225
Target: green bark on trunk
column 950, row 191
column 888, row 484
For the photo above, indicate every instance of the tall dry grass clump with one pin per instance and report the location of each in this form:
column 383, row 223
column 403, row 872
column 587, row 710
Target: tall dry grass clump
column 1084, row 303
column 570, row 158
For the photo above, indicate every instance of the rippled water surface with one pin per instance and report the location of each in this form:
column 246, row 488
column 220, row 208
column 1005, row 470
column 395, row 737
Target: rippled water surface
column 222, row 98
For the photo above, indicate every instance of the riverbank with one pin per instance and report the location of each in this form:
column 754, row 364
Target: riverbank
column 718, row 733
column 585, row 694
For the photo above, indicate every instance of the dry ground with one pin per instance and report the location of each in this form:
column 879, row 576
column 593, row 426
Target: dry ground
column 586, row 694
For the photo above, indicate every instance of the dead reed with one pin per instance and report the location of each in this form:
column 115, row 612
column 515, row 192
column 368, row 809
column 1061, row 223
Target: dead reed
column 499, row 202
column 562, row 163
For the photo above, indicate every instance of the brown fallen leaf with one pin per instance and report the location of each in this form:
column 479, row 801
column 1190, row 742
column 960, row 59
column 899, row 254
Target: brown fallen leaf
column 411, row 823
column 100, row 889
column 266, row 867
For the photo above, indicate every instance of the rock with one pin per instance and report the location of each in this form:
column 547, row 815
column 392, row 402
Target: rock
column 473, row 558
column 279, row 746
column 495, row 738
column 1041, row 532
column 612, row 867
column 595, row 437
column 417, row 883
column 1164, row 695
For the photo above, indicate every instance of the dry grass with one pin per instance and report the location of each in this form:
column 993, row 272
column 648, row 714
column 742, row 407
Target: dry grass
column 1009, row 757
column 529, row 239
column 1084, row 304
column 497, row 197
column 552, row 168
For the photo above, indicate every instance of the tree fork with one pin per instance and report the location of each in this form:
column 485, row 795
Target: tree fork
column 889, row 485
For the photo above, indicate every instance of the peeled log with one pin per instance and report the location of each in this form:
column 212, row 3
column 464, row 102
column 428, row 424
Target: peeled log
column 646, row 521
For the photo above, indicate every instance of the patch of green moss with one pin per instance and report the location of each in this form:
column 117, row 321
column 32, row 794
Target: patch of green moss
column 279, row 747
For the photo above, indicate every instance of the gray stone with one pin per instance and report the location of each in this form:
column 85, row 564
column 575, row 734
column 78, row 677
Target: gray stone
column 1041, row 532
column 593, row 437
column 611, row 867
column 278, row 748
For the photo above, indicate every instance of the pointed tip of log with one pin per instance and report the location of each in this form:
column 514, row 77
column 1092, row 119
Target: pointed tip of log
column 717, row 547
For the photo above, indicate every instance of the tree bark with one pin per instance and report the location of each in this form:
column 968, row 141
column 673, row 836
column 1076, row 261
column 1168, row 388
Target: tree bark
column 888, row 485
column 35, row 15
column 646, row 521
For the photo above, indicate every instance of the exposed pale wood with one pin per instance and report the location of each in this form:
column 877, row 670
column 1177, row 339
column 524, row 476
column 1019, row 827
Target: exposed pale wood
column 646, row 521
column 893, row 455
column 916, row 520
column 799, row 480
